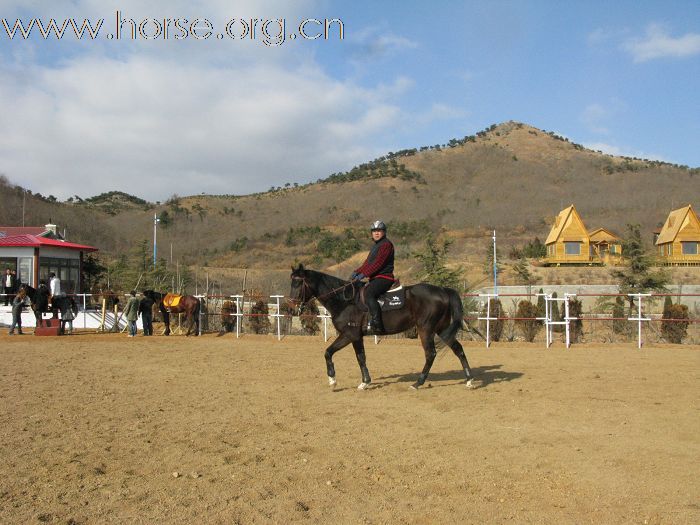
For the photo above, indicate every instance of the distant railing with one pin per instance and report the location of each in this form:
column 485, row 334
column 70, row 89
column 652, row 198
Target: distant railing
column 642, row 323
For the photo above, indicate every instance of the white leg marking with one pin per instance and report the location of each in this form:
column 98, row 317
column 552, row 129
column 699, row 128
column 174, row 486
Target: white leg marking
column 470, row 384
column 331, row 381
column 362, row 386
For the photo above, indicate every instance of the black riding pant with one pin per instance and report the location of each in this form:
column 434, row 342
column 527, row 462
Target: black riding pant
column 147, row 320
column 374, row 289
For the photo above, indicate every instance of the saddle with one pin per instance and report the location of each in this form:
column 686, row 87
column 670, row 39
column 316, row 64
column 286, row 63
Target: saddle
column 392, row 299
column 171, row 300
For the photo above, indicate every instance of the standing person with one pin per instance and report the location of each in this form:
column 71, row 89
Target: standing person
column 17, row 306
column 146, row 311
column 8, row 285
column 379, row 268
column 131, row 312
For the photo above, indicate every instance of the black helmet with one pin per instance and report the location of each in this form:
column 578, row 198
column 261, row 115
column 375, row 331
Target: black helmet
column 378, row 225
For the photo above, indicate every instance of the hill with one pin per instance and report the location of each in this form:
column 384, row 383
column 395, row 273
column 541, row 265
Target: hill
column 511, row 177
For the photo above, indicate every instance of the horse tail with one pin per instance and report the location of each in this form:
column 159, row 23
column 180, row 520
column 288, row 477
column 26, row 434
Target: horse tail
column 457, row 312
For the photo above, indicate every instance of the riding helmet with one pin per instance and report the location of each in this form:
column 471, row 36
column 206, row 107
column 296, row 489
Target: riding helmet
column 378, row 225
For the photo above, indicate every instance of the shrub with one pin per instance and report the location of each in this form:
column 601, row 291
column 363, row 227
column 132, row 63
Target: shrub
column 676, row 328
column 309, row 322
column 496, row 327
column 620, row 324
column 575, row 327
column 530, row 326
column 259, row 320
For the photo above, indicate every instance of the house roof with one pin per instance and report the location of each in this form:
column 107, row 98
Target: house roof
column 39, row 231
column 561, row 222
column 36, row 241
column 674, row 222
column 603, row 235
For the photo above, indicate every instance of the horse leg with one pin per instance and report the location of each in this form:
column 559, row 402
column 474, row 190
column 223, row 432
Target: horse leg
column 428, row 343
column 340, row 342
column 166, row 321
column 459, row 352
column 359, row 347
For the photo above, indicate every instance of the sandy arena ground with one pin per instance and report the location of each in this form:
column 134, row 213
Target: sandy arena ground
column 107, row 429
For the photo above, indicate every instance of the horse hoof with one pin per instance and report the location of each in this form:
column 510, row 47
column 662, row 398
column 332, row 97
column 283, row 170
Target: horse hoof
column 363, row 386
column 331, row 381
column 414, row 386
column 470, row 384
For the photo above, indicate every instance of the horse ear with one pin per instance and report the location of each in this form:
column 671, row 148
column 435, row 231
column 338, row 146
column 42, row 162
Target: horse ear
column 301, row 267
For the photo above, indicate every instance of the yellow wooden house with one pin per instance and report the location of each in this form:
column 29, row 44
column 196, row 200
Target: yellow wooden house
column 678, row 242
column 569, row 242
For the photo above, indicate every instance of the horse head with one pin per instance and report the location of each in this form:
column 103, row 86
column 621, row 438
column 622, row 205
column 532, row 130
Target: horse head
column 303, row 290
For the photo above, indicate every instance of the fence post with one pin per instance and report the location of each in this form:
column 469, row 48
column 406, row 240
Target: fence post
column 238, row 314
column 488, row 317
column 199, row 324
column 639, row 317
column 278, row 315
column 546, row 318
column 567, row 318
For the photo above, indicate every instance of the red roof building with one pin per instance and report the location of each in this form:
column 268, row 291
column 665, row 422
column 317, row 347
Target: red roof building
column 34, row 252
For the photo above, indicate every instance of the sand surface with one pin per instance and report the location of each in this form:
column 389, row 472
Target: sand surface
column 110, row 429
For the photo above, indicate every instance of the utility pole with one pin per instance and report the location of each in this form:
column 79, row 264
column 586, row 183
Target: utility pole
column 156, row 220
column 495, row 267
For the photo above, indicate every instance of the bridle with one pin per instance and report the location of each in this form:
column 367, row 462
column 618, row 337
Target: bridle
column 302, row 301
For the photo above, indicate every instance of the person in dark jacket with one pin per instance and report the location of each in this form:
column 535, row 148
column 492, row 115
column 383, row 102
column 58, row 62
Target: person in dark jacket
column 17, row 306
column 379, row 268
column 146, row 311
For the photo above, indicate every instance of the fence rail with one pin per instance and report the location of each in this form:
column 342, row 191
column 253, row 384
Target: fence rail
column 645, row 323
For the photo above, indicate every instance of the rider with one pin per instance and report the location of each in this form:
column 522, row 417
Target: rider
column 379, row 267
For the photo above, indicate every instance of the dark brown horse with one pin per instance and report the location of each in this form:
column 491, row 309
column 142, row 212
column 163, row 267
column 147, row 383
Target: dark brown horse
column 188, row 305
column 39, row 299
column 433, row 310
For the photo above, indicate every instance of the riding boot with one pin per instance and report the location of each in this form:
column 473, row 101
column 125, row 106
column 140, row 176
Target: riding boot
column 378, row 325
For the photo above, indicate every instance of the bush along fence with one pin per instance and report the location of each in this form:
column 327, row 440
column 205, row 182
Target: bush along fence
column 570, row 319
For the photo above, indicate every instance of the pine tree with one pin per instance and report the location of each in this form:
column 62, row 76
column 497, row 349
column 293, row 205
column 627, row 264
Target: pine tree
column 637, row 276
column 433, row 260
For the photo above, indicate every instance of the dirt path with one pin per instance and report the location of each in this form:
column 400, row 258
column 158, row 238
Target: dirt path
column 93, row 428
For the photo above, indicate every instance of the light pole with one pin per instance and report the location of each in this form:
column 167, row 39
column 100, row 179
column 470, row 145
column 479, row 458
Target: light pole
column 495, row 267
column 156, row 220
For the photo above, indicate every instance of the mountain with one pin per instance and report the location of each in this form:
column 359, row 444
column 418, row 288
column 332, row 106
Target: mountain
column 512, row 177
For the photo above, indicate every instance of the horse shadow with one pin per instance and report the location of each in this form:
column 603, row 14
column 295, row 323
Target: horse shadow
column 483, row 377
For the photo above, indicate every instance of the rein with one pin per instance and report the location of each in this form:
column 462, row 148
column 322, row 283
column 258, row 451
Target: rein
column 307, row 286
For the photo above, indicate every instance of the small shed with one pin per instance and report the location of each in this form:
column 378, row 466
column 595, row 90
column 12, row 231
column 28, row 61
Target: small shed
column 568, row 242
column 34, row 252
column 678, row 243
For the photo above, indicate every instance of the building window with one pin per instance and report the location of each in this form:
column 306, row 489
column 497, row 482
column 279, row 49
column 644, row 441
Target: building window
column 67, row 270
column 25, row 273
column 690, row 248
column 572, row 248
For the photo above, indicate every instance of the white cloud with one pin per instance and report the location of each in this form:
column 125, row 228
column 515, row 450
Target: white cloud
column 593, row 116
column 659, row 44
column 157, row 118
column 619, row 151
column 152, row 127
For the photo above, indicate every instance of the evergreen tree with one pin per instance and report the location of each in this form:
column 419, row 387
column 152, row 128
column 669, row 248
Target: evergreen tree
column 528, row 325
column 488, row 264
column 637, row 276
column 433, row 260
column 541, row 307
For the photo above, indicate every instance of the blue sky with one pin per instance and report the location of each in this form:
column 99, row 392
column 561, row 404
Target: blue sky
column 157, row 117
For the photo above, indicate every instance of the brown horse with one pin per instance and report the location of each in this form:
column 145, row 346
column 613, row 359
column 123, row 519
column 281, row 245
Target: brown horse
column 188, row 305
column 433, row 310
